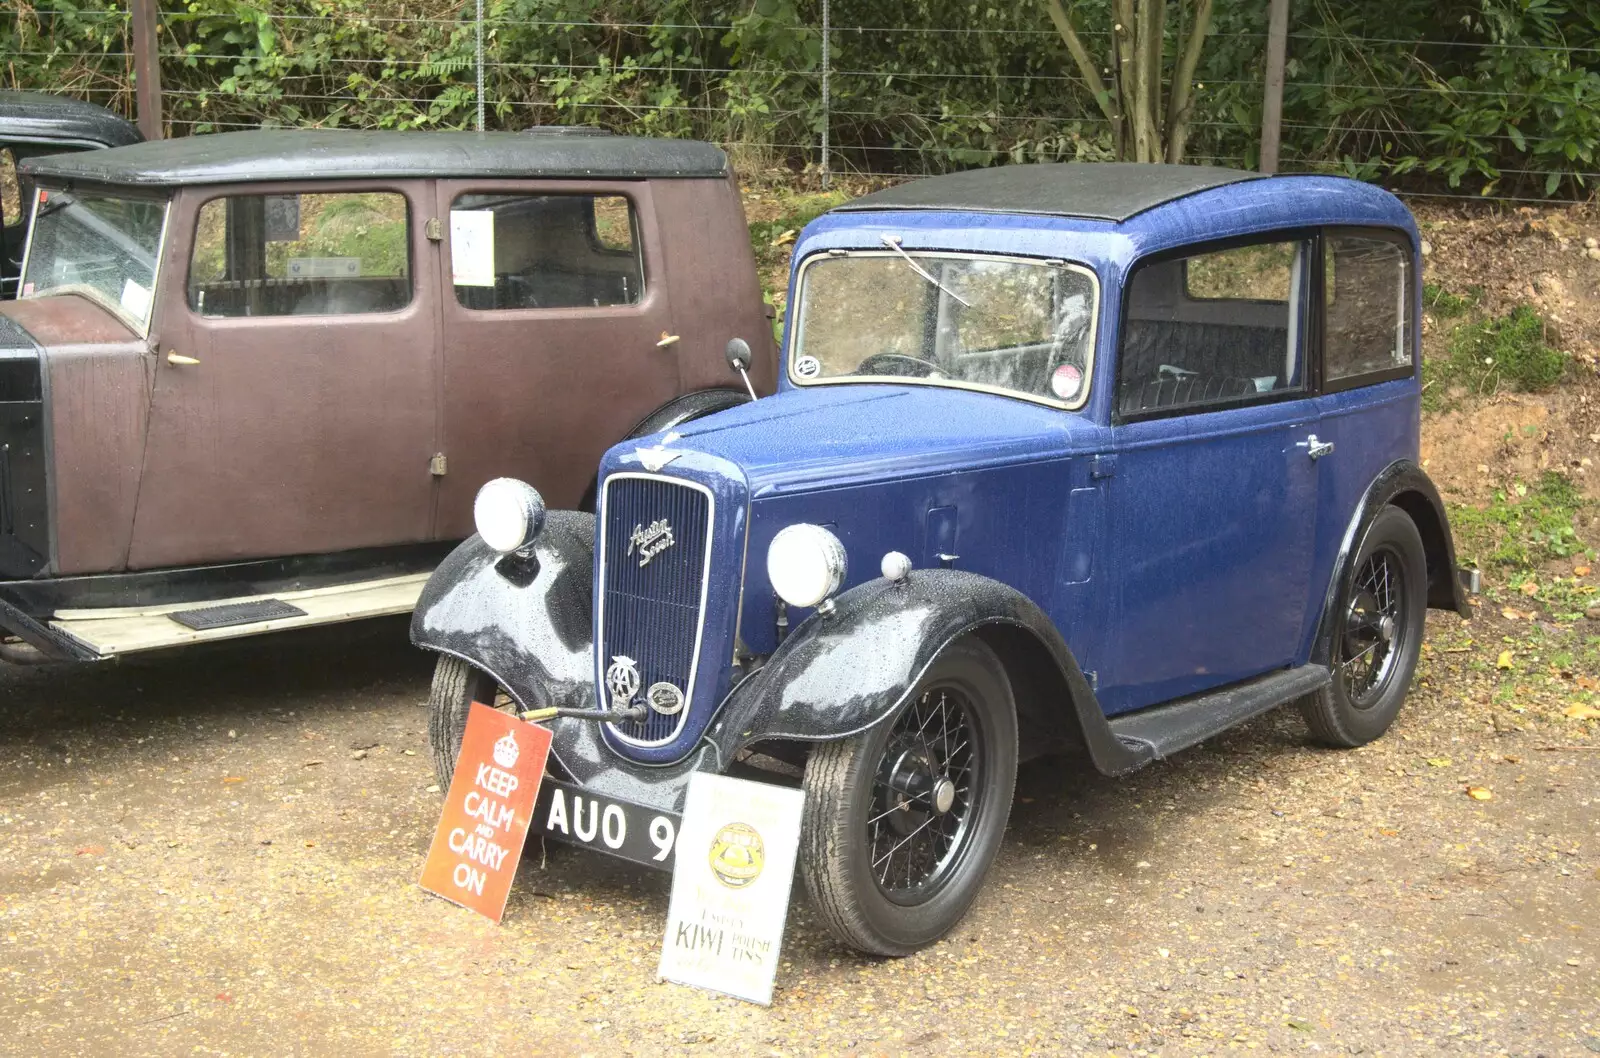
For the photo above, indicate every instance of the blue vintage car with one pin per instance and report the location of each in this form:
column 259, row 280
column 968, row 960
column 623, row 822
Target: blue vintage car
column 1096, row 460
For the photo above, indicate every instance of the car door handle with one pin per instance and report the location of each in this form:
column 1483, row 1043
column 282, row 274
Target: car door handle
column 1314, row 448
column 177, row 359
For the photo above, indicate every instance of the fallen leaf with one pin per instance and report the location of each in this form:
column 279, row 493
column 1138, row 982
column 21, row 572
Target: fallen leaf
column 314, row 763
column 1580, row 571
column 1582, row 712
column 311, row 844
column 1531, row 588
column 1386, row 832
column 1479, row 793
column 1504, row 660
column 1588, row 683
column 785, row 239
column 233, row 778
column 1439, row 762
column 91, row 850
column 1298, row 1025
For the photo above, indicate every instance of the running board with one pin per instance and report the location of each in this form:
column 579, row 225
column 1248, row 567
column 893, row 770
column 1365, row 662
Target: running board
column 1162, row 730
column 107, row 633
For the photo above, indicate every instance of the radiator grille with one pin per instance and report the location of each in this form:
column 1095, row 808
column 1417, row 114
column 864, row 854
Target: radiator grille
column 652, row 613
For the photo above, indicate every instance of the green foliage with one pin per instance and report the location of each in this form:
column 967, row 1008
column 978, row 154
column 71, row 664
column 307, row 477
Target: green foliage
column 1496, row 96
column 1524, row 527
column 1444, row 304
column 1487, row 354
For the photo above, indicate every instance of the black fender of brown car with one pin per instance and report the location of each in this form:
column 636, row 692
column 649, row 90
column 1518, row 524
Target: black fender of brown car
column 839, row 674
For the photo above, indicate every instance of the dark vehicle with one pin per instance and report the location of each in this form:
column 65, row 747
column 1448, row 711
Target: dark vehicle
column 34, row 124
column 1089, row 459
column 254, row 380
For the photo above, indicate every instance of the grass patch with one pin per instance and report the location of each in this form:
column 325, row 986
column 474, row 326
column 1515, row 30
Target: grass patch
column 1523, row 527
column 773, row 239
column 1487, row 355
column 1443, row 304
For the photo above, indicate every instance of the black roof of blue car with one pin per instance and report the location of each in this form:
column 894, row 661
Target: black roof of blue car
column 1111, row 191
column 331, row 154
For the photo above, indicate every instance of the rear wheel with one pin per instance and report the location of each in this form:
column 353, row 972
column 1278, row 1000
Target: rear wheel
column 456, row 685
column 1377, row 635
column 903, row 821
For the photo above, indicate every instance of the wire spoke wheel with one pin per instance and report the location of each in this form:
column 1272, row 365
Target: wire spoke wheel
column 1371, row 641
column 904, row 819
column 922, row 795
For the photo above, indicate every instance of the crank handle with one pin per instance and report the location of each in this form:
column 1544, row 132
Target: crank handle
column 609, row 716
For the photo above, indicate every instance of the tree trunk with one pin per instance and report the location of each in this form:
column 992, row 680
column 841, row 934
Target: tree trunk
column 1182, row 77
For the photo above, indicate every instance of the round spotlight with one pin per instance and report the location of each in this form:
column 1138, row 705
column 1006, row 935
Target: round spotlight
column 509, row 514
column 805, row 564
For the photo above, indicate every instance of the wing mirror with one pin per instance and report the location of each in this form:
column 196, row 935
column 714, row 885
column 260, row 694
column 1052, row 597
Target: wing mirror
column 738, row 354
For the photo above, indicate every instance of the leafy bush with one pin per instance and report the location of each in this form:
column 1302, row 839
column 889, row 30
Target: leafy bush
column 1493, row 96
column 1443, row 304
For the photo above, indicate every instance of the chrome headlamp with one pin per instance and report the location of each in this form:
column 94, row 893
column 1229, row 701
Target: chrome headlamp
column 509, row 514
column 805, row 563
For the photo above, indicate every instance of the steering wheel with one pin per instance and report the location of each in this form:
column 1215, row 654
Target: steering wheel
column 898, row 365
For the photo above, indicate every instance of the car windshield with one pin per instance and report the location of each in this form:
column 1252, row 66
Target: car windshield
column 1020, row 326
column 102, row 245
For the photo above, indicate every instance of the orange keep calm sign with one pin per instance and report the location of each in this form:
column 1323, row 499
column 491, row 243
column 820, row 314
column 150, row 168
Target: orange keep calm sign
column 486, row 814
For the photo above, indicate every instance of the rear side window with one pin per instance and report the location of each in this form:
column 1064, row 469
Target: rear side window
column 1367, row 293
column 301, row 255
column 10, row 190
column 1213, row 329
column 545, row 251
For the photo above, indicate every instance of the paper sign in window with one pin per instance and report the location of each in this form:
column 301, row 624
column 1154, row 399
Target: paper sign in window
column 472, row 247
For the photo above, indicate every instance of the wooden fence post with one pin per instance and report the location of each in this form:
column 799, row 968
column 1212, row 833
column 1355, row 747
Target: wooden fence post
column 1272, row 101
column 147, row 68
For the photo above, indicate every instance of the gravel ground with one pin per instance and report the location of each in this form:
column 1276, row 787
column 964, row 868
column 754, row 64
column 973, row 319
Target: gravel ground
column 216, row 852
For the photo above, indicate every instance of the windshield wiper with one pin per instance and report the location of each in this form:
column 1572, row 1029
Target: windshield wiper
column 893, row 243
column 59, row 200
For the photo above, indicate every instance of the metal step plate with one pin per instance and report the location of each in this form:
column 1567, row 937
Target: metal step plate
column 125, row 630
column 239, row 613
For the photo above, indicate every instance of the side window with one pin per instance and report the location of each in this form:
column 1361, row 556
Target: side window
column 10, row 190
column 301, row 255
column 545, row 251
column 1367, row 291
column 1213, row 328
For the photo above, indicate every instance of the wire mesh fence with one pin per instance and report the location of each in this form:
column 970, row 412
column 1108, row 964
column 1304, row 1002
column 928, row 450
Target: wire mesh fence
column 850, row 99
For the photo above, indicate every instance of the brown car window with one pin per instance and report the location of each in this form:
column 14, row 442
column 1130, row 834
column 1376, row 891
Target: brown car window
column 10, row 191
column 1219, row 328
column 301, row 255
column 545, row 251
column 1367, row 287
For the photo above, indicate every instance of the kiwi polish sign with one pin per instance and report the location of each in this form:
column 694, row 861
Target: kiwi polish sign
column 730, row 885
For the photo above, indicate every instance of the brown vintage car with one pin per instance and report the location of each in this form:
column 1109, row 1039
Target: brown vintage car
column 254, row 380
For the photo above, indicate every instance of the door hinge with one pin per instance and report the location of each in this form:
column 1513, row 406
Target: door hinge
column 434, row 229
column 1102, row 467
column 438, row 465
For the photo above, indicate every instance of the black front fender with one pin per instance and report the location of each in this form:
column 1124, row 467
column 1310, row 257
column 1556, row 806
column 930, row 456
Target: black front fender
column 530, row 627
column 839, row 674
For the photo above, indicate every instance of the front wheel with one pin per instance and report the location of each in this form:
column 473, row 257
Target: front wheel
column 456, row 685
column 903, row 821
column 1377, row 635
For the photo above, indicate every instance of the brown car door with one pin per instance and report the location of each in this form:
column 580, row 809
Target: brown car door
column 557, row 333
column 296, row 394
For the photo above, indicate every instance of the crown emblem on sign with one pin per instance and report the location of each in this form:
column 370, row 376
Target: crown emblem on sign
column 506, row 752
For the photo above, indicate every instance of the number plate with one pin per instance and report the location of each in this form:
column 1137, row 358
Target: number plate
column 606, row 824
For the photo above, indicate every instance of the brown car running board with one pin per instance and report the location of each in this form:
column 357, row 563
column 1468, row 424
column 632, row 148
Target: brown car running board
column 1162, row 730
column 110, row 632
